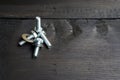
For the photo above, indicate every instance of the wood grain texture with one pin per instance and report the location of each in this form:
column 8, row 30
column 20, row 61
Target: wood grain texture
column 61, row 9
column 80, row 50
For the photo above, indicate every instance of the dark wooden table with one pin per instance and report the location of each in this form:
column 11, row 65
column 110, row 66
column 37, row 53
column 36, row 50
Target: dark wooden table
column 85, row 36
column 82, row 50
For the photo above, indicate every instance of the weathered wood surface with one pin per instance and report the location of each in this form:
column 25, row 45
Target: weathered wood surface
column 61, row 8
column 82, row 50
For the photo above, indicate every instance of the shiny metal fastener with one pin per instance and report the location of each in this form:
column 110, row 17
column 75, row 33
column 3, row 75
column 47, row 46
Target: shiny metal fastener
column 38, row 44
column 36, row 37
column 41, row 33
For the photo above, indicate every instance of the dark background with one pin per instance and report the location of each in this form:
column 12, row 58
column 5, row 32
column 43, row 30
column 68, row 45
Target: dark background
column 60, row 9
column 85, row 35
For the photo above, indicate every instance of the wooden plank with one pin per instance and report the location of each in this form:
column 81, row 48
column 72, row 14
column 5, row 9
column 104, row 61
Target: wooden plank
column 80, row 50
column 62, row 9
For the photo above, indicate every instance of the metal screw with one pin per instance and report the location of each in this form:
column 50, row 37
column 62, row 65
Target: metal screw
column 38, row 27
column 47, row 42
column 41, row 33
column 38, row 44
column 37, row 37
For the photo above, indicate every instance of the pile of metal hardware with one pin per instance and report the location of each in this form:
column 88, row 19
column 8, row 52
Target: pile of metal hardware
column 37, row 37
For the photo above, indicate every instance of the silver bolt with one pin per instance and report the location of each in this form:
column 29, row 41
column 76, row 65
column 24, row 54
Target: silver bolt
column 41, row 33
column 38, row 27
column 47, row 42
column 38, row 44
column 37, row 37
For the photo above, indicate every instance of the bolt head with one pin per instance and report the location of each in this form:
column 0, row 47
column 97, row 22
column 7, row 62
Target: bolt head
column 38, row 42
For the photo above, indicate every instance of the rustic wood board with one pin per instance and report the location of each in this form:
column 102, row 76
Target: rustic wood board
column 61, row 9
column 82, row 50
